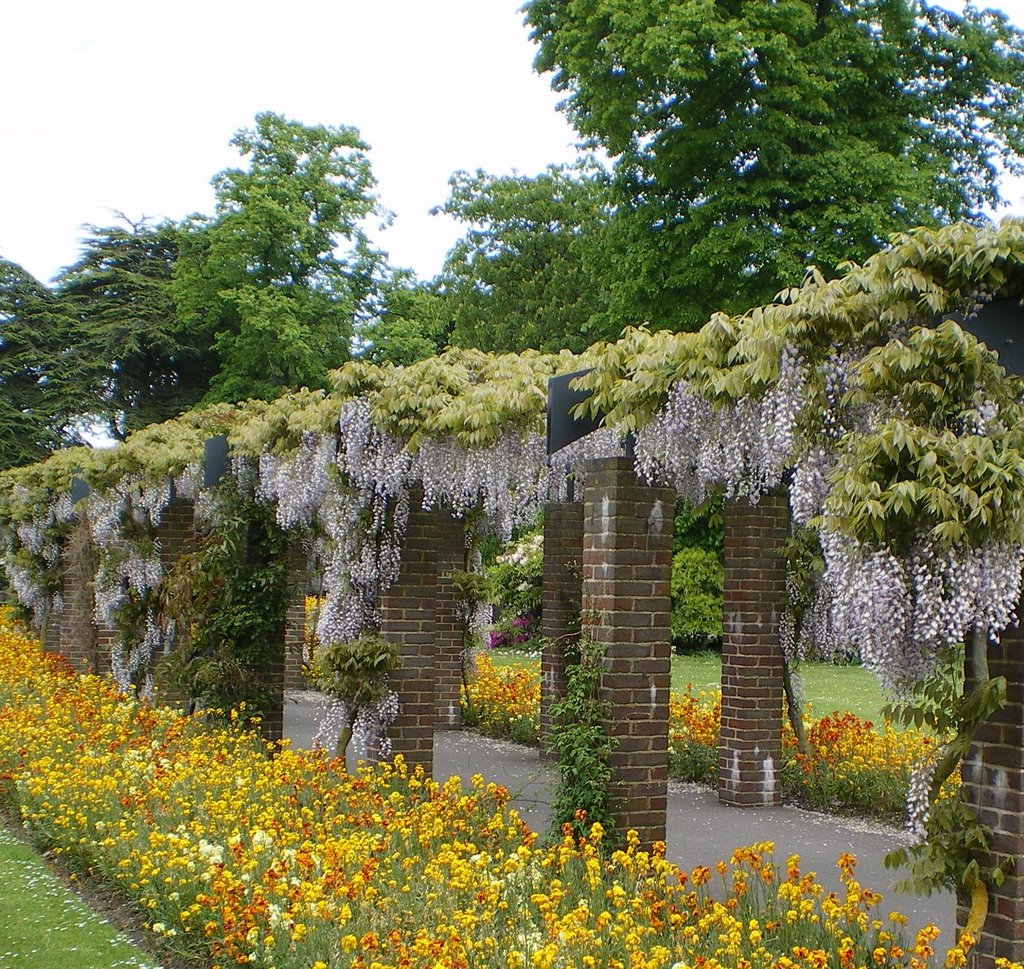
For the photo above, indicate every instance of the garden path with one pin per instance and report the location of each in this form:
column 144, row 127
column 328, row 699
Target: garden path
column 700, row 831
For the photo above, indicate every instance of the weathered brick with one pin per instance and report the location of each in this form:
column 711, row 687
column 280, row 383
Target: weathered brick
column 750, row 751
column 993, row 782
column 420, row 613
column 561, row 606
column 627, row 551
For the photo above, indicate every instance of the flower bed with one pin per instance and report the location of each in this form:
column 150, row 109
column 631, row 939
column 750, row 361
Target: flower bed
column 235, row 857
column 502, row 701
column 852, row 764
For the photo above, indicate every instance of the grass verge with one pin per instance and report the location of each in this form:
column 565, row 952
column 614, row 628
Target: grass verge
column 43, row 923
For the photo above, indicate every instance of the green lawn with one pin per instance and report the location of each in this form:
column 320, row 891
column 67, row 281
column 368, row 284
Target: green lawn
column 827, row 688
column 43, row 924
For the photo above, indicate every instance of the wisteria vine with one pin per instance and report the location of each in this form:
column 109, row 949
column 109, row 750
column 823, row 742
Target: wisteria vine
column 813, row 392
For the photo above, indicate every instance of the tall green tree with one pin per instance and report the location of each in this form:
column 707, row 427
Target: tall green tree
column 408, row 321
column 137, row 364
column 752, row 139
column 524, row 275
column 278, row 276
column 36, row 408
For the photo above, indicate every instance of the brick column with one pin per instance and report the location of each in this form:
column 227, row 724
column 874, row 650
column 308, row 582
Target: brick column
column 408, row 618
column 295, row 652
column 73, row 632
column 48, row 630
column 272, row 724
column 627, row 560
column 176, row 533
column 993, row 785
column 175, row 536
column 560, row 607
column 750, row 745
column 450, row 537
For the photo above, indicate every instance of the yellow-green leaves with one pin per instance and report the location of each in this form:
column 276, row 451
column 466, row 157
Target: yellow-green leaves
column 468, row 395
column 937, row 422
column 902, row 481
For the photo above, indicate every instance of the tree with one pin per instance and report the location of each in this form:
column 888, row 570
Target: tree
column 35, row 410
column 752, row 139
column 263, row 280
column 137, row 363
column 409, row 322
column 522, row 276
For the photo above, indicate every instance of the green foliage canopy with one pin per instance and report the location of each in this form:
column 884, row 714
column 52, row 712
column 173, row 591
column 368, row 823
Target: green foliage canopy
column 407, row 322
column 135, row 362
column 34, row 396
column 522, row 276
column 263, row 279
column 924, row 465
column 752, row 139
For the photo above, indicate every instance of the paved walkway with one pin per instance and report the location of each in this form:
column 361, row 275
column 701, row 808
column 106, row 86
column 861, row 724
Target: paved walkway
column 700, row 831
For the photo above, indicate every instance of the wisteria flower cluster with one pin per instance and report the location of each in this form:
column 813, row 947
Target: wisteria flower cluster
column 904, row 612
column 30, row 554
column 123, row 523
column 743, row 446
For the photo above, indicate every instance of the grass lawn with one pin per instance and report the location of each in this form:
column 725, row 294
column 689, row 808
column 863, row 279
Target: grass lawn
column 827, row 688
column 43, row 924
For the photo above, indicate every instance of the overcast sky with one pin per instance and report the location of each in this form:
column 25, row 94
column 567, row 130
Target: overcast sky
column 129, row 105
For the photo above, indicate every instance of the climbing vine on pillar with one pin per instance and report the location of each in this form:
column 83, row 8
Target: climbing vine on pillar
column 583, row 747
column 230, row 594
column 951, row 841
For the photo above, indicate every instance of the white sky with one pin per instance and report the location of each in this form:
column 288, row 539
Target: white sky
column 129, row 105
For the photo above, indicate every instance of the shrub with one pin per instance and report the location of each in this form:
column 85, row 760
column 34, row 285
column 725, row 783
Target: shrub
column 698, row 578
column 356, row 673
column 231, row 593
column 516, row 587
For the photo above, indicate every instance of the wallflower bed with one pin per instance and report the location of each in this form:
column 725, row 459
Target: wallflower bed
column 852, row 765
column 502, row 702
column 237, row 858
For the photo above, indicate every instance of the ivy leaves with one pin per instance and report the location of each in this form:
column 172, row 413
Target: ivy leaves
column 231, row 594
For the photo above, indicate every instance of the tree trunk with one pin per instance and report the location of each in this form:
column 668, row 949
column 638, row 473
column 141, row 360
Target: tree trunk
column 796, row 715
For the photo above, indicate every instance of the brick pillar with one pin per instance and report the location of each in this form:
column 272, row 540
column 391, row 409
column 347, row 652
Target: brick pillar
column 450, row 537
column 295, row 650
column 560, row 607
column 176, row 533
column 175, row 536
column 48, row 630
column 627, row 560
column 750, row 745
column 273, row 674
column 73, row 633
column 272, row 723
column 408, row 618
column 993, row 785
